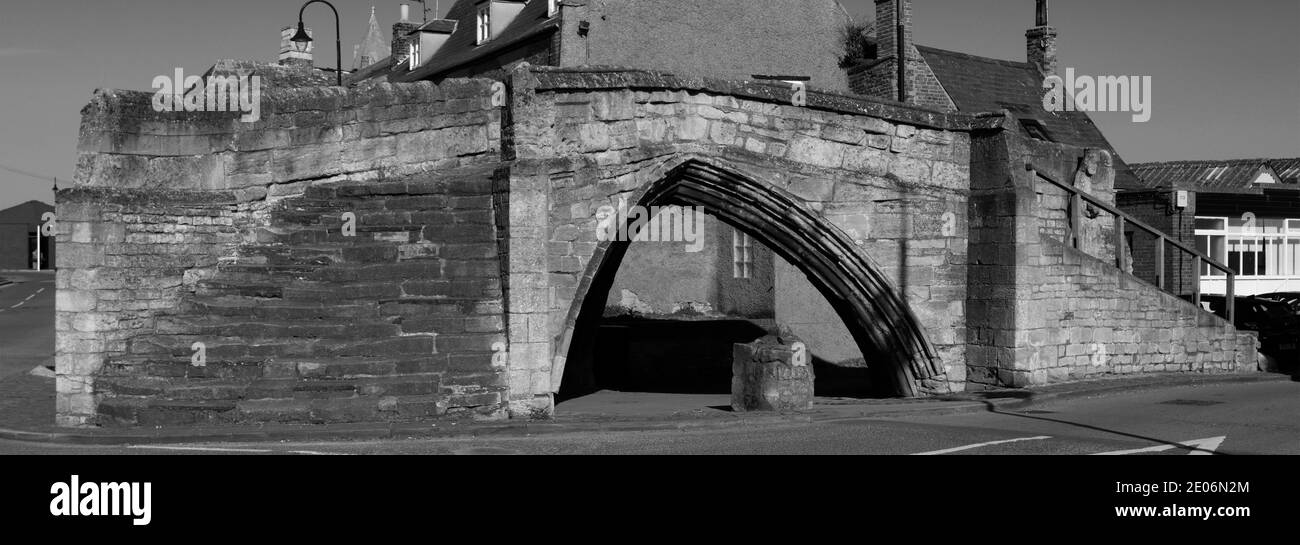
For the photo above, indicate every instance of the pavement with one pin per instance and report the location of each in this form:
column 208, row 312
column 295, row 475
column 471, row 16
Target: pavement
column 27, row 414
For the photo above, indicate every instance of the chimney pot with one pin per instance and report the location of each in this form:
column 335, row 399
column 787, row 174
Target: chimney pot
column 1040, row 41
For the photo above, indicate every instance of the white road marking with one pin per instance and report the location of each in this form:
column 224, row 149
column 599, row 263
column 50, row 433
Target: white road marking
column 29, row 298
column 981, row 445
column 226, row 449
column 1201, row 447
column 203, row 449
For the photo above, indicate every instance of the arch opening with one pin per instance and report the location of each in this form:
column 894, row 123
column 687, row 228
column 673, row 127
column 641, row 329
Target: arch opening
column 880, row 322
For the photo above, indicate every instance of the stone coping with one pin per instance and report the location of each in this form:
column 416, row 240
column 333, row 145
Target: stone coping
column 606, row 78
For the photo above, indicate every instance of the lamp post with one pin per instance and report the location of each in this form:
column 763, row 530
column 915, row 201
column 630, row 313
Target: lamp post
column 302, row 38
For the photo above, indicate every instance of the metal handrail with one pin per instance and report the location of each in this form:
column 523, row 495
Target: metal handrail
column 1078, row 197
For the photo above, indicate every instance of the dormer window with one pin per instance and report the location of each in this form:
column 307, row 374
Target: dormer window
column 552, row 8
column 484, row 22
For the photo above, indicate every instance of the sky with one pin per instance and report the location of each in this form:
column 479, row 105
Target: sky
column 1226, row 75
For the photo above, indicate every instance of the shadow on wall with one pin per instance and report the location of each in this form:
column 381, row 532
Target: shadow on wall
column 687, row 356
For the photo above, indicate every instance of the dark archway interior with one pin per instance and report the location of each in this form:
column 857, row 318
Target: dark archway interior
column 884, row 328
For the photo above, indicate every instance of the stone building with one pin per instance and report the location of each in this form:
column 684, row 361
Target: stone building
column 726, row 39
column 21, row 243
column 404, row 250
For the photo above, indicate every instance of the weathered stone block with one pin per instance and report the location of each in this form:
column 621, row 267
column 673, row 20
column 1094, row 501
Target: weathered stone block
column 773, row 373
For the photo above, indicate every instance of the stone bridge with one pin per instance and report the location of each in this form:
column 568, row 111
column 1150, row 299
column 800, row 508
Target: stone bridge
column 410, row 251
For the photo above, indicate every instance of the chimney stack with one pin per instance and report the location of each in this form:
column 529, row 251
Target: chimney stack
column 894, row 43
column 1041, row 41
column 289, row 55
column 402, row 37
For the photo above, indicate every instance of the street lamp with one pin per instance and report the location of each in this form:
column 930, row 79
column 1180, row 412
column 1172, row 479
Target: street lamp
column 301, row 39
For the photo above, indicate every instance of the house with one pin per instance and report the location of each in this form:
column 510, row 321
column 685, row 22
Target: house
column 954, row 81
column 1244, row 213
column 22, row 247
column 483, row 38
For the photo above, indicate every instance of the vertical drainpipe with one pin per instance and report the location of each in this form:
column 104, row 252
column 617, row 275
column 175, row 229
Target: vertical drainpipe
column 900, row 42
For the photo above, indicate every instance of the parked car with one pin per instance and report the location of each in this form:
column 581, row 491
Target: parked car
column 1291, row 298
column 1276, row 322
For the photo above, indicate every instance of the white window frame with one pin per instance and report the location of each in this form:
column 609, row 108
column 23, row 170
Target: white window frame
column 552, row 8
column 1287, row 266
column 742, row 255
column 484, row 22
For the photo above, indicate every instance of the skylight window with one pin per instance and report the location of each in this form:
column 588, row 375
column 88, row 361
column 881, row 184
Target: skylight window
column 485, row 22
column 1036, row 129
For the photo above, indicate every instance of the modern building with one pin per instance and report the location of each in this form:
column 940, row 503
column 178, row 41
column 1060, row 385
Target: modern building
column 22, row 246
column 1244, row 213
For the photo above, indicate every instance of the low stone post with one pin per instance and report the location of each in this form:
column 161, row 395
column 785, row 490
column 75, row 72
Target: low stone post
column 771, row 374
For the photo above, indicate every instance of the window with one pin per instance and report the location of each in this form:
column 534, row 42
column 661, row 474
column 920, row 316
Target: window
column 485, row 22
column 552, row 8
column 1261, row 247
column 742, row 255
column 1036, row 129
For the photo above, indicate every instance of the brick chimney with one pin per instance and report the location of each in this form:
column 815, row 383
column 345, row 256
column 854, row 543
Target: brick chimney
column 1041, row 41
column 894, row 42
column 289, row 55
column 402, row 37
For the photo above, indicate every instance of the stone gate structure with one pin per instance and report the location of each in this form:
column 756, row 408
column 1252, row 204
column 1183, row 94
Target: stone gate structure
column 412, row 250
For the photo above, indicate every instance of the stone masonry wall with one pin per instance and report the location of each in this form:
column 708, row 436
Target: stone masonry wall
column 127, row 255
column 893, row 179
column 1078, row 316
column 303, row 134
column 164, row 202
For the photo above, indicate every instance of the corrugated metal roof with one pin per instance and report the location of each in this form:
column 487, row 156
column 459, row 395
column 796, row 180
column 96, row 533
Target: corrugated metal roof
column 1224, row 175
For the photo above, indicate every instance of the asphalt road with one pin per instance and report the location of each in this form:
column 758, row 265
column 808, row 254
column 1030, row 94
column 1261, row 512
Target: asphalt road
column 1242, row 418
column 26, row 322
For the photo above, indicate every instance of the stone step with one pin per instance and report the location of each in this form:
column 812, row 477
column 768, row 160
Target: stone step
column 318, row 291
column 331, row 218
column 352, row 367
column 279, row 310
column 330, row 328
column 219, row 350
column 145, row 412
column 363, row 253
column 176, row 368
column 356, row 410
column 224, row 288
column 185, row 389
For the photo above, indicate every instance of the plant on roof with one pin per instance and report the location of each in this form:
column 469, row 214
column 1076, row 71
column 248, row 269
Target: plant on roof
column 858, row 43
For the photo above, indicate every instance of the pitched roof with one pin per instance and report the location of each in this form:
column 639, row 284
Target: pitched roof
column 29, row 213
column 981, row 84
column 1288, row 169
column 373, row 47
column 1233, row 175
column 461, row 48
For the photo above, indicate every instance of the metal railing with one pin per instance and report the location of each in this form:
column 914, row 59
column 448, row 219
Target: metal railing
column 1077, row 199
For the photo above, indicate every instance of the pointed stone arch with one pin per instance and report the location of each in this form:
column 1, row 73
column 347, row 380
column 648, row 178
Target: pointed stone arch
column 883, row 326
